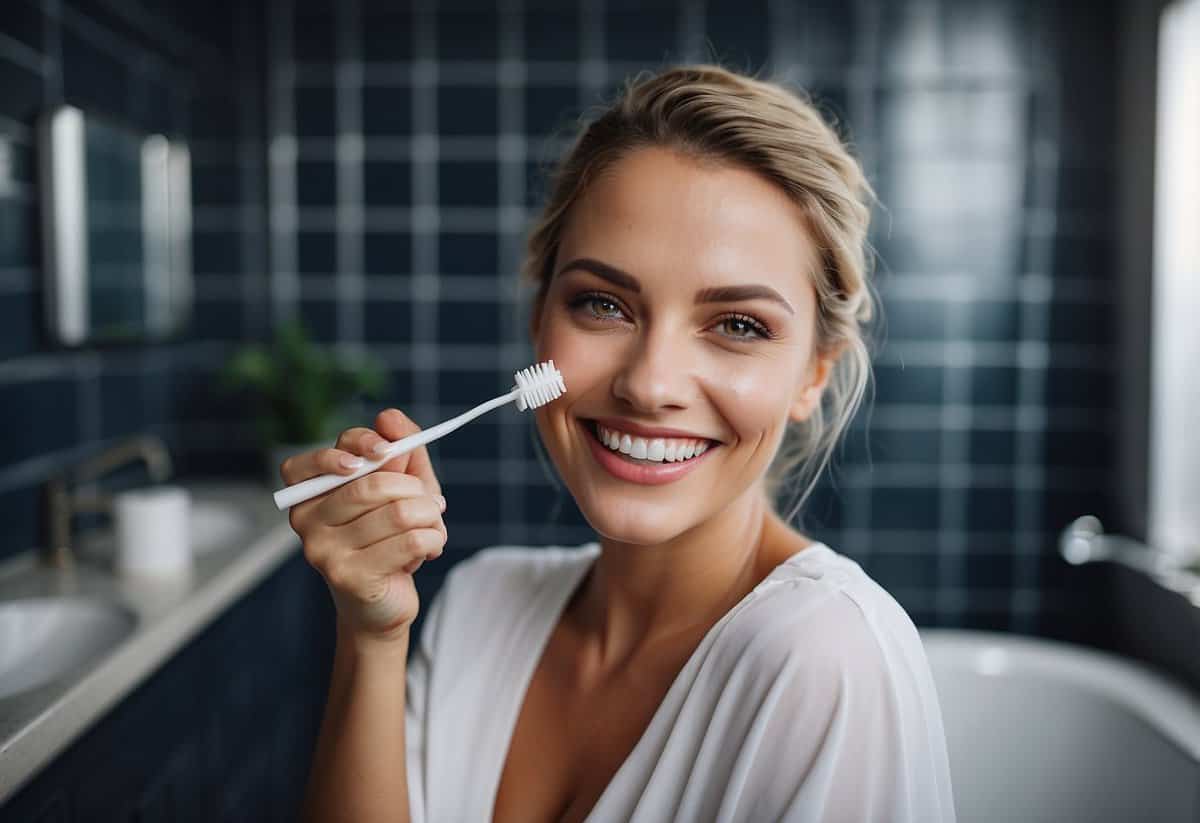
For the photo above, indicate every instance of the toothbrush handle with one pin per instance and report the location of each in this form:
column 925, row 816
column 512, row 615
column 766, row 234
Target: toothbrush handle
column 298, row 493
column 305, row 490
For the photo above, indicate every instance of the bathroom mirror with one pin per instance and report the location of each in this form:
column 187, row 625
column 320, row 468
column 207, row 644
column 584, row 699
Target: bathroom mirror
column 116, row 230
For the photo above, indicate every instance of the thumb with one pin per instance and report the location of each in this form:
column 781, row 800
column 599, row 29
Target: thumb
column 395, row 424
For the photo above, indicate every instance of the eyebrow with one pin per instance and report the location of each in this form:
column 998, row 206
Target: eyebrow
column 715, row 294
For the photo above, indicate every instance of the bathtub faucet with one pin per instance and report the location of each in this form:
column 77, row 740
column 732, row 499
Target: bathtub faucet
column 1084, row 541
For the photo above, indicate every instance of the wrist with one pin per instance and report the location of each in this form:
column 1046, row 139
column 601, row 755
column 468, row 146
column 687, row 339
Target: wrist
column 388, row 646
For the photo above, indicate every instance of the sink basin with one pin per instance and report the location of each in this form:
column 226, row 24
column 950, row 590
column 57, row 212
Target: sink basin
column 44, row 638
column 216, row 525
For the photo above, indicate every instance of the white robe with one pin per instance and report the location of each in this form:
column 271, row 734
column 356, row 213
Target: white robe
column 809, row 700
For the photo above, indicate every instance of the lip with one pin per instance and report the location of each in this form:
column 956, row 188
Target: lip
column 647, row 431
column 645, row 474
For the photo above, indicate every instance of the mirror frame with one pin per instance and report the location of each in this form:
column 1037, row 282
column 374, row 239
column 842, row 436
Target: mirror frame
column 166, row 222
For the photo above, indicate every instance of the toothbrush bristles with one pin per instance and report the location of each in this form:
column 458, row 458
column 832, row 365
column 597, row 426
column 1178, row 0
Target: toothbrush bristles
column 539, row 385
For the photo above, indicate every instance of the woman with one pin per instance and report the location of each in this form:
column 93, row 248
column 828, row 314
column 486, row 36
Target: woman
column 701, row 284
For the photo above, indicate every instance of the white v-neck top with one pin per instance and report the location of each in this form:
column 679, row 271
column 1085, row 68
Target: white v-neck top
column 809, row 700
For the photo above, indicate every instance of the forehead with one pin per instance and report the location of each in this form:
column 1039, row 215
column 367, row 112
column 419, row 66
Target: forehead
column 666, row 218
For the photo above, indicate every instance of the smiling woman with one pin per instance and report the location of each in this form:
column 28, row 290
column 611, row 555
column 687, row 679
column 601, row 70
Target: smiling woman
column 806, row 230
column 701, row 282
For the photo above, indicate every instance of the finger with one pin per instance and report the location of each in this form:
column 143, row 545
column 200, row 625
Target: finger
column 318, row 462
column 413, row 566
column 367, row 493
column 392, row 518
column 398, row 552
column 312, row 464
column 360, row 440
column 394, row 424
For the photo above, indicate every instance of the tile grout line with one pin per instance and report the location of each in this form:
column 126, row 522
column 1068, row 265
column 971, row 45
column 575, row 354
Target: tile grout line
column 858, row 496
column 284, row 282
column 251, row 227
column 349, row 174
column 1033, row 323
column 953, row 497
column 691, row 30
column 425, row 214
column 512, row 156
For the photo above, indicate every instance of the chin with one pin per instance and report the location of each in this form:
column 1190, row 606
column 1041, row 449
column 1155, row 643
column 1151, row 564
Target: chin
column 635, row 525
column 634, row 534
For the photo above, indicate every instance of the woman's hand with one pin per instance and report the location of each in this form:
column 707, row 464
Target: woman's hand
column 367, row 537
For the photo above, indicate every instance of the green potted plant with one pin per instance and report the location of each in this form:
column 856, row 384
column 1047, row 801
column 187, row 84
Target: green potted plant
column 300, row 390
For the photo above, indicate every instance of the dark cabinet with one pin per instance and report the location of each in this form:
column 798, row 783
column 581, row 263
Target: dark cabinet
column 223, row 731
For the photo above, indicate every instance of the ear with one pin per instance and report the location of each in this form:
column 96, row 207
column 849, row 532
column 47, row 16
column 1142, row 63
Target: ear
column 808, row 395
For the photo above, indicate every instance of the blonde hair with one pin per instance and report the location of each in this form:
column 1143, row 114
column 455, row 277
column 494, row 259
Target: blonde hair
column 711, row 114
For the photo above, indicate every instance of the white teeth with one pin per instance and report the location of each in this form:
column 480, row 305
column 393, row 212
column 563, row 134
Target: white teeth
column 658, row 449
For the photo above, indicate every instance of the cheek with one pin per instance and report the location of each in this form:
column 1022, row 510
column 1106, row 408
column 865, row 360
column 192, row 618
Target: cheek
column 754, row 398
column 574, row 353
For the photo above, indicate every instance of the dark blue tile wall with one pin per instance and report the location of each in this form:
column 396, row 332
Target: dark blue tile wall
column 381, row 188
column 191, row 745
column 991, row 424
column 173, row 68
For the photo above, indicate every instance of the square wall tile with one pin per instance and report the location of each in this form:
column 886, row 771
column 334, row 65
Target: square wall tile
column 387, row 253
column 550, row 110
column 387, row 321
column 462, row 322
column 387, row 183
column 468, row 111
column 37, row 413
column 475, row 253
column 905, row 508
column 386, row 111
column 468, row 183
column 387, row 32
column 552, row 31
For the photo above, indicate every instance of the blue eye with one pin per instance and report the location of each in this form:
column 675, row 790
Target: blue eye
column 742, row 327
column 746, row 323
column 594, row 299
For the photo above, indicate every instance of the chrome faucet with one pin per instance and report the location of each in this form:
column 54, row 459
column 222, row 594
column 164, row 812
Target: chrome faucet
column 1084, row 541
column 62, row 503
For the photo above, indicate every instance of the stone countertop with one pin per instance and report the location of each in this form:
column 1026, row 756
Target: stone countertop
column 38, row 724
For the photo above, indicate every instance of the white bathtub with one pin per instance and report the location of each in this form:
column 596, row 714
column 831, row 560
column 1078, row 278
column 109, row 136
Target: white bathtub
column 1039, row 730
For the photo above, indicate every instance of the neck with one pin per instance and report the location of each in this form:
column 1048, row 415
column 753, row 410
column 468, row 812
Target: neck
column 637, row 597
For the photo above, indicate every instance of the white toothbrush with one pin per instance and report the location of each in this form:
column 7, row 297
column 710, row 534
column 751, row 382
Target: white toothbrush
column 536, row 386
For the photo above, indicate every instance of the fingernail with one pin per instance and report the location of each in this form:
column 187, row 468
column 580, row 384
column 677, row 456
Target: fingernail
column 441, row 501
column 379, row 448
column 350, row 461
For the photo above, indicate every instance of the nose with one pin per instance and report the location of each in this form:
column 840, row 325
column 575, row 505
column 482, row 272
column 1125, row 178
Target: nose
column 655, row 374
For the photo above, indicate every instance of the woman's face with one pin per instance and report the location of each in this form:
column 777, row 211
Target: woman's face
column 681, row 300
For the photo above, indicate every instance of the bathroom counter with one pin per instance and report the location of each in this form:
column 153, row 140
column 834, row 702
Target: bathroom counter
column 36, row 725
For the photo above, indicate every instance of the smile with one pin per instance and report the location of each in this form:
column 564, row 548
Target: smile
column 649, row 461
column 655, row 450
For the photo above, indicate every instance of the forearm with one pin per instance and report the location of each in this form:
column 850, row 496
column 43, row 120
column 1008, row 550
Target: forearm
column 359, row 771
